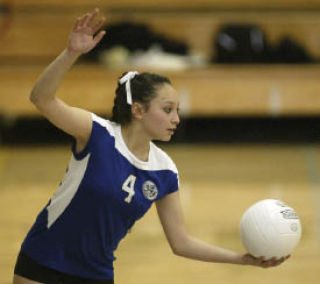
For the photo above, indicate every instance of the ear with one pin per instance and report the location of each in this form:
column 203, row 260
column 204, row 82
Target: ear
column 137, row 110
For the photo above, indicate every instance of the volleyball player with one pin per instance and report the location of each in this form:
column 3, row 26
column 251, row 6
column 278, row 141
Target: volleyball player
column 114, row 175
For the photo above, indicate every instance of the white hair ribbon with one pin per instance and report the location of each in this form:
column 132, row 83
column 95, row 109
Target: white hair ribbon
column 126, row 79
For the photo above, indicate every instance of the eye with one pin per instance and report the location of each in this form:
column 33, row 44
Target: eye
column 167, row 109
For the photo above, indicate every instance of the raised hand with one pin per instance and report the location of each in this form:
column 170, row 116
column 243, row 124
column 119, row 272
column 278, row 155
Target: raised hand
column 82, row 37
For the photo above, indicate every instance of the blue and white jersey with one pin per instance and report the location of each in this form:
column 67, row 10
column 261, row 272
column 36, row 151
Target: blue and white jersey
column 105, row 190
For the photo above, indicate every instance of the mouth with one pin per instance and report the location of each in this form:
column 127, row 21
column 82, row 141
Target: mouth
column 171, row 130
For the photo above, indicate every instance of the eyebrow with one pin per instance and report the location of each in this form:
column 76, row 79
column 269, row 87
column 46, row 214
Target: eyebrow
column 171, row 103
column 168, row 101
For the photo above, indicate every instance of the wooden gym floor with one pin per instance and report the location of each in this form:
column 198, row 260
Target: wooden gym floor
column 218, row 183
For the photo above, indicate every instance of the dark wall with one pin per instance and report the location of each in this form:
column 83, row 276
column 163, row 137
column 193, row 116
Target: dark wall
column 192, row 130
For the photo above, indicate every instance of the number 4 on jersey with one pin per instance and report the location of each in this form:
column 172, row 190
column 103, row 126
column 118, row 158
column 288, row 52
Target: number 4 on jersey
column 128, row 186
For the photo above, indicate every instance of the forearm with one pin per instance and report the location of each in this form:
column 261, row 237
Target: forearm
column 199, row 250
column 50, row 79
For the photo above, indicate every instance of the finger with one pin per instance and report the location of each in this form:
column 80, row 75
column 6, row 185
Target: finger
column 83, row 19
column 87, row 20
column 268, row 263
column 98, row 25
column 99, row 37
column 90, row 19
column 279, row 261
column 274, row 261
column 77, row 24
column 283, row 259
column 259, row 261
column 265, row 265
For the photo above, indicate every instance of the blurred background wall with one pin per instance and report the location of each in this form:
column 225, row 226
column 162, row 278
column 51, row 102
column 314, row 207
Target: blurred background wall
column 247, row 69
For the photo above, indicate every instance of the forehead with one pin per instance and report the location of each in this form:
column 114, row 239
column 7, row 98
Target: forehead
column 166, row 93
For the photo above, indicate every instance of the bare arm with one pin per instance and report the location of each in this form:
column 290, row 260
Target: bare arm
column 182, row 244
column 72, row 120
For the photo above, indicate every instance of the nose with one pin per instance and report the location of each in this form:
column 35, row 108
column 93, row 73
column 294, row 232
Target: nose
column 175, row 119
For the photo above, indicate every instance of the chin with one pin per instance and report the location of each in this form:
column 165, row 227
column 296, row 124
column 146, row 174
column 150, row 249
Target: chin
column 163, row 139
column 166, row 139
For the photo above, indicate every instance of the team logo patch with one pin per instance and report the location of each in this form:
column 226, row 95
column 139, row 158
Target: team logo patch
column 150, row 190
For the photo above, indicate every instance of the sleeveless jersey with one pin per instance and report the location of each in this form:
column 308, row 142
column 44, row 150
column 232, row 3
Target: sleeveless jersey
column 105, row 190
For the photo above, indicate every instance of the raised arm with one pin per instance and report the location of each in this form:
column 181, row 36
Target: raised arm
column 182, row 244
column 72, row 120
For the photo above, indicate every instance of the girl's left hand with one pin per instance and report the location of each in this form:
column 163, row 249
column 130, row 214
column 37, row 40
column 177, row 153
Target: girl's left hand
column 248, row 259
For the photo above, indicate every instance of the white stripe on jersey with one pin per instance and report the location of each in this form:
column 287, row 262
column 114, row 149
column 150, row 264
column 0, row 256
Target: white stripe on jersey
column 67, row 189
column 158, row 159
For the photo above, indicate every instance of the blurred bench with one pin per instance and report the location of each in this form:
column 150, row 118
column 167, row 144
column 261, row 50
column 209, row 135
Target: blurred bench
column 39, row 32
column 43, row 34
column 217, row 91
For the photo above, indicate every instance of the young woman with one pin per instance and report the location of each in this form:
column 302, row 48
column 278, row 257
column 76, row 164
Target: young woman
column 114, row 175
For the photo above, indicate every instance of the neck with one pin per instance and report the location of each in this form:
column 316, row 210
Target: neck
column 136, row 140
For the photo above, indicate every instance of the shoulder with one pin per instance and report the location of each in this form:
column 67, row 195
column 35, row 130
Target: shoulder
column 104, row 123
column 162, row 159
column 103, row 130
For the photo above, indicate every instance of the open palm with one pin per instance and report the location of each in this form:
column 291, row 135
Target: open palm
column 81, row 38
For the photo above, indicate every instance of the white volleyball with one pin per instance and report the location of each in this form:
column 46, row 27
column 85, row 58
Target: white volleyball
column 270, row 228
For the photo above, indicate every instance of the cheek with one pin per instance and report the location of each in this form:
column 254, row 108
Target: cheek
column 157, row 118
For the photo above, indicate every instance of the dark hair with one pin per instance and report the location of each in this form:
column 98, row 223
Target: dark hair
column 143, row 90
